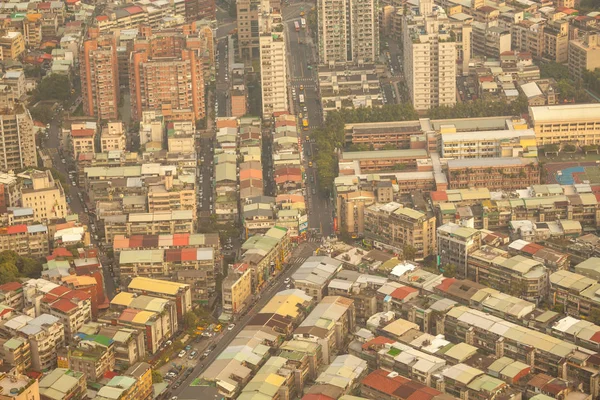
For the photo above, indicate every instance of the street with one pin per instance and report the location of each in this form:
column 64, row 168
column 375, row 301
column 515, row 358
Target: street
column 224, row 106
column 300, row 254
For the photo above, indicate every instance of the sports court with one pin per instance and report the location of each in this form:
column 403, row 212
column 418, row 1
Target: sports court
column 570, row 173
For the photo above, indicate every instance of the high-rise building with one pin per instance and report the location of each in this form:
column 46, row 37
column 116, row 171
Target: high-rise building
column 348, row 31
column 196, row 10
column 17, row 145
column 273, row 65
column 165, row 72
column 430, row 55
column 584, row 55
column 248, row 29
column 100, row 77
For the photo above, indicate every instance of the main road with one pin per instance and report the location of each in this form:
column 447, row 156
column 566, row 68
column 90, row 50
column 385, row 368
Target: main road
column 300, row 254
column 302, row 68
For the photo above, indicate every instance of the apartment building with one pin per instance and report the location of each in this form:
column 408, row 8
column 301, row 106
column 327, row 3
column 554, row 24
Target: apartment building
column 130, row 346
column 365, row 162
column 73, row 308
column 236, row 290
column 148, row 322
column 92, row 355
column 165, row 71
column 273, row 65
column 44, row 195
column 493, row 173
column 18, row 149
column 18, row 387
column 486, row 144
column 556, row 41
column 386, row 385
column 166, row 309
column 26, row 240
column 528, row 36
column 196, row 10
column 179, row 293
column 575, row 292
column 572, row 123
column 112, row 137
column 490, row 40
column 82, row 140
column 164, row 223
column 430, row 54
column 100, row 77
column 398, row 226
column 348, row 31
column 63, row 383
column 314, row 275
column 16, row 352
column 248, row 28
column 45, row 334
column 328, row 325
column 349, row 85
column 584, row 55
column 12, row 45
column 379, row 134
column 454, row 244
column 517, row 275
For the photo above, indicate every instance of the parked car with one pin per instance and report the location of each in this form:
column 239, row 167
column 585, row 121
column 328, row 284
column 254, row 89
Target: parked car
column 182, row 354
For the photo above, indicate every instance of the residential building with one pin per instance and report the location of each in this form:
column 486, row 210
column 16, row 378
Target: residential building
column 112, row 137
column 63, row 383
column 18, row 149
column 12, row 45
column 490, row 40
column 165, row 223
column 366, row 162
column 165, row 72
column 45, row 334
column 149, row 323
column 100, row 77
column 393, row 225
column 556, row 41
column 349, row 85
column 11, row 295
column 166, row 309
column 142, row 373
column 196, row 10
column 273, row 65
column 386, row 385
column 179, row 293
column 487, row 144
column 72, row 307
column 572, row 123
column 130, row 346
column 360, row 288
column 92, row 355
column 314, row 275
column 584, row 55
column 348, row 31
column 16, row 352
column 329, row 325
column 45, row 196
column 18, row 387
column 430, row 54
column 517, row 275
column 26, row 240
column 576, row 293
column 353, row 370
column 248, row 28
column 236, row 290
column 454, row 244
column 350, row 211
column 493, row 173
column 82, row 139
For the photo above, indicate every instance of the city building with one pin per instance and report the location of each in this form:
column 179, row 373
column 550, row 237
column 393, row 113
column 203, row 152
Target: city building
column 454, row 244
column 273, row 65
column 25, row 240
column 350, row 211
column 569, row 123
column 366, row 162
column 166, row 72
column 142, row 373
column 502, row 173
column 82, row 138
column 348, row 31
column 236, row 290
column 112, row 137
column 328, row 324
column 165, row 308
column 18, row 149
column 16, row 352
column 430, row 57
column 92, row 355
column 72, row 307
column 487, row 144
column 314, row 275
column 63, row 383
column 248, row 28
column 349, row 85
column 179, row 293
column 45, row 195
column 584, row 55
column 396, row 227
column 142, row 223
column 18, row 387
column 12, row 45
column 100, row 77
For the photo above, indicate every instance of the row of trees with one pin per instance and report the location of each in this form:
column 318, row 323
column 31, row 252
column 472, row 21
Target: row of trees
column 14, row 266
column 568, row 89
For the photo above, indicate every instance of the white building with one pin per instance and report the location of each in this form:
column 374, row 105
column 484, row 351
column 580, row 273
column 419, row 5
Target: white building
column 273, row 65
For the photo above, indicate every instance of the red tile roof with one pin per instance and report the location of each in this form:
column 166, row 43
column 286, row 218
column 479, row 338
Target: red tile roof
column 595, row 337
column 83, row 132
column 11, row 230
column 446, row 283
column 380, row 381
column 102, row 18
column 376, row 341
column 134, row 10
column 532, row 248
column 77, row 295
column 61, row 252
column 439, row 196
column 316, row 397
column 181, row 239
column 63, row 305
column 402, row 292
column 59, row 291
column 10, row 286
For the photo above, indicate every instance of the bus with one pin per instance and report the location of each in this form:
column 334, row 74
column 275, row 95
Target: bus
column 301, row 98
column 305, row 124
column 303, row 23
column 297, row 26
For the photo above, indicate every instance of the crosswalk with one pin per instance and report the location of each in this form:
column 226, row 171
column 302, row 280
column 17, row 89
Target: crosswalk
column 297, row 260
column 307, row 79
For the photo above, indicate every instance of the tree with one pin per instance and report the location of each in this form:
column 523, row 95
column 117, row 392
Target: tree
column 409, row 252
column 594, row 316
column 54, row 87
column 190, row 320
column 156, row 376
column 450, row 270
column 30, row 267
column 42, row 113
column 554, row 70
column 8, row 273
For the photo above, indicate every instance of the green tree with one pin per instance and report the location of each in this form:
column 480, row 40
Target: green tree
column 554, row 70
column 30, row 267
column 190, row 320
column 594, row 316
column 54, row 87
column 156, row 376
column 450, row 270
column 409, row 252
column 8, row 273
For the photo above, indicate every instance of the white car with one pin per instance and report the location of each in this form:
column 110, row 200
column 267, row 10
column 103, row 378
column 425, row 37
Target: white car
column 287, row 280
column 181, row 354
column 230, row 327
